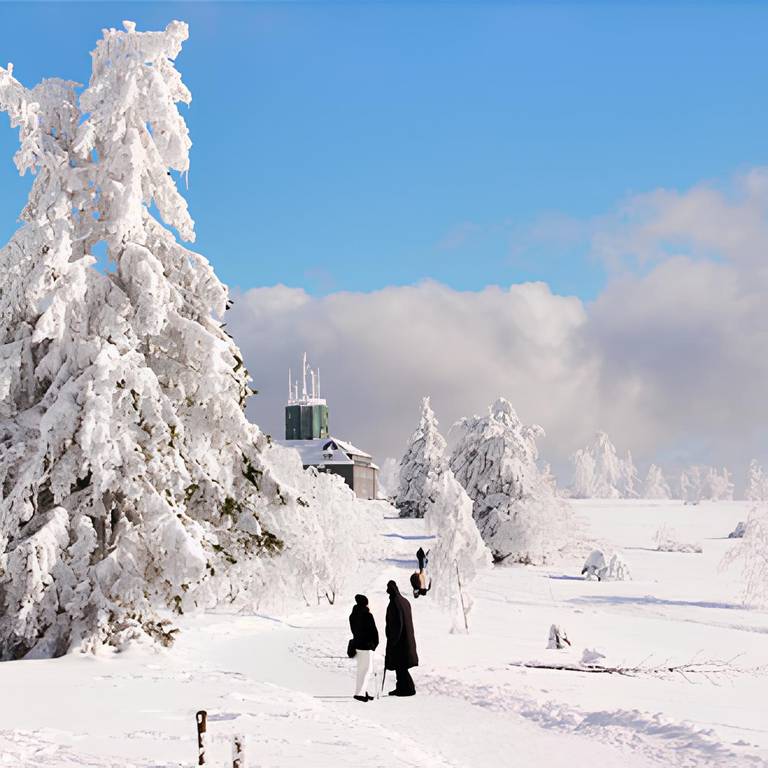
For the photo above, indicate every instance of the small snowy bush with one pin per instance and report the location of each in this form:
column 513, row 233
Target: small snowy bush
column 667, row 540
column 597, row 567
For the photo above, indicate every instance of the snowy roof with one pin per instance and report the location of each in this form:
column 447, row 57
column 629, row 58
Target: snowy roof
column 325, row 451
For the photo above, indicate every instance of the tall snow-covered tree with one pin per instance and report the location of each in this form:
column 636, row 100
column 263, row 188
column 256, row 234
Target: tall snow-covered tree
column 691, row 485
column 459, row 553
column 600, row 473
column 629, row 478
column 425, row 454
column 718, row 484
column 516, row 508
column 656, row 486
column 757, row 483
column 130, row 479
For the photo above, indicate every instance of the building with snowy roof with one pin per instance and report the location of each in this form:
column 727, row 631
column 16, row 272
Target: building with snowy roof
column 307, row 431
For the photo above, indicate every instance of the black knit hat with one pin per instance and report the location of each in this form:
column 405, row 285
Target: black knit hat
column 361, row 599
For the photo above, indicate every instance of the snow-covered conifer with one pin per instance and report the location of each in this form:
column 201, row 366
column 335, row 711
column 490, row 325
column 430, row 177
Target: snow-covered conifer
column 425, row 454
column 656, row 487
column 516, row 508
column 130, row 477
column 629, row 478
column 583, row 475
column 600, row 474
column 757, row 483
column 459, row 553
column 718, row 485
column 691, row 485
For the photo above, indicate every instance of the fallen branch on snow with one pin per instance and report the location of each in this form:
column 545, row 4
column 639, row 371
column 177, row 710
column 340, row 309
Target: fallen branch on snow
column 709, row 669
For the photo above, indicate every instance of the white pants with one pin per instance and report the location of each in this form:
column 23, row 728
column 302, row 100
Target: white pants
column 365, row 682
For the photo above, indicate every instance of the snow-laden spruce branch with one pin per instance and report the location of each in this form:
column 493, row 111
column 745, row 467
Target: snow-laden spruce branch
column 130, row 479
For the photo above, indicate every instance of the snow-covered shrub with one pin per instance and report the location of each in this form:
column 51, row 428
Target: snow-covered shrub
column 458, row 554
column 617, row 570
column 425, row 454
column 600, row 474
column 597, row 566
column 739, row 531
column 594, row 565
column 591, row 657
column 324, row 545
column 131, row 479
column 751, row 552
column 656, row 486
column 667, row 540
column 516, row 506
column 557, row 639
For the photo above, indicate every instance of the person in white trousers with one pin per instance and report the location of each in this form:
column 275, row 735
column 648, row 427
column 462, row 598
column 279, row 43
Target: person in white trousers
column 365, row 640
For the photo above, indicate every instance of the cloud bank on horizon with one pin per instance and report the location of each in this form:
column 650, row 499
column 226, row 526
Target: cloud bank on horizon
column 670, row 359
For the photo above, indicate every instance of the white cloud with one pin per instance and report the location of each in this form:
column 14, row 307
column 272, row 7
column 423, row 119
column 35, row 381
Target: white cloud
column 670, row 360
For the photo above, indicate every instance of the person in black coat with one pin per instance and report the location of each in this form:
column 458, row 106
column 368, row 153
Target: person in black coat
column 401, row 652
column 365, row 640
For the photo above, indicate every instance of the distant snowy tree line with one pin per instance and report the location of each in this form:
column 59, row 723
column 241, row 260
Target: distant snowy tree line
column 600, row 473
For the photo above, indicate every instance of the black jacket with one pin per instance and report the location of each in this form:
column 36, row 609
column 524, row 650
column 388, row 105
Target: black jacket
column 363, row 626
column 401, row 640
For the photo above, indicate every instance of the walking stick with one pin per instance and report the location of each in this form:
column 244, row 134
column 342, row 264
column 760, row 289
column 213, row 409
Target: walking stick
column 384, row 678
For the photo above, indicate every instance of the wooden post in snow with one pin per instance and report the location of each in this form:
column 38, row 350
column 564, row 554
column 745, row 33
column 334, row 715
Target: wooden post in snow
column 238, row 751
column 202, row 725
column 461, row 595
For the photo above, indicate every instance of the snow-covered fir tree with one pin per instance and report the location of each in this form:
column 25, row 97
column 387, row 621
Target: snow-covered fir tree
column 757, row 483
column 130, row 477
column 516, row 507
column 599, row 472
column 718, row 484
column 425, row 454
column 629, row 478
column 656, row 486
column 459, row 553
column 699, row 483
column 691, row 485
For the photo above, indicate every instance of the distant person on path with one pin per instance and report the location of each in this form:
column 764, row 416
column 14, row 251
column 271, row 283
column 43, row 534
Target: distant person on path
column 419, row 579
column 365, row 640
column 401, row 652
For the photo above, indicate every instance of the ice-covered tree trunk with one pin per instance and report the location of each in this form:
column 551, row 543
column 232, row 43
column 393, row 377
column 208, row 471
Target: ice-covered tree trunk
column 516, row 508
column 130, row 477
column 459, row 553
column 656, row 487
column 425, row 454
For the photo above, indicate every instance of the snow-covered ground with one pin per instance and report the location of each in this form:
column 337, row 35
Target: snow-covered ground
column 284, row 681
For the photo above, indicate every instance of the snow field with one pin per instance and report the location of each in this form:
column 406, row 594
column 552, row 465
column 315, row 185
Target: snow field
column 284, row 681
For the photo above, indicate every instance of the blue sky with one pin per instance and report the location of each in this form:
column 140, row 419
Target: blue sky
column 353, row 146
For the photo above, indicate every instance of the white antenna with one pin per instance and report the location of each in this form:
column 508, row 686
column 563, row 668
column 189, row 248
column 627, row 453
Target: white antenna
column 318, row 383
column 304, row 377
column 314, row 390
